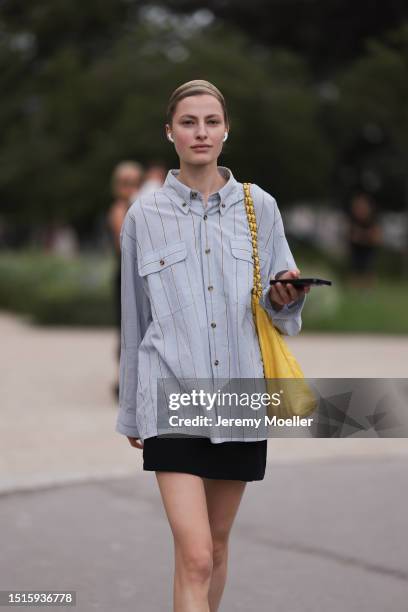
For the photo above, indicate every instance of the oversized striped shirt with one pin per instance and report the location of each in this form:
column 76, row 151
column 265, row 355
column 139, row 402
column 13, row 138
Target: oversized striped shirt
column 187, row 275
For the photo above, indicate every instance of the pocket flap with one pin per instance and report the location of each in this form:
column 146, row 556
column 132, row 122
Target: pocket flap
column 241, row 248
column 160, row 259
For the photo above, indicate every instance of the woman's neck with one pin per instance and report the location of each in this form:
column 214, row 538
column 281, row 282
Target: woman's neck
column 205, row 179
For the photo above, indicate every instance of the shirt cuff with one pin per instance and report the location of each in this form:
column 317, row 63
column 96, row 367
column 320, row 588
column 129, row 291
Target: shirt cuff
column 288, row 310
column 126, row 430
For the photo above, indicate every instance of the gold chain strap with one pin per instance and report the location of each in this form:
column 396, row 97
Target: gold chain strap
column 249, row 206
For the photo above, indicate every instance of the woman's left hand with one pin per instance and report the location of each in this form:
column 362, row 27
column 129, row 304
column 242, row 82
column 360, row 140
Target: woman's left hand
column 282, row 294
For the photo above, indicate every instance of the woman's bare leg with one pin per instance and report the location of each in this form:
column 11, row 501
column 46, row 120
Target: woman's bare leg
column 185, row 504
column 223, row 499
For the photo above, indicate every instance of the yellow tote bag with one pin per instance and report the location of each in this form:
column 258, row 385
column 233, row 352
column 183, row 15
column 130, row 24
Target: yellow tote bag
column 297, row 398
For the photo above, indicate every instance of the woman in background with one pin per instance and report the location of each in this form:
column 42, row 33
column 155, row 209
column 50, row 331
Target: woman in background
column 154, row 177
column 365, row 236
column 126, row 182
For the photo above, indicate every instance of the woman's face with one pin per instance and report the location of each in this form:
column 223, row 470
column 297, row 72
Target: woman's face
column 361, row 207
column 198, row 120
column 127, row 183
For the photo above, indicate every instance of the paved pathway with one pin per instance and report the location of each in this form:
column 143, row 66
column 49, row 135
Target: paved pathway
column 58, row 412
column 325, row 530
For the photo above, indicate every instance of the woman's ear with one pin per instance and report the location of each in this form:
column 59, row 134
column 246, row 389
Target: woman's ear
column 168, row 133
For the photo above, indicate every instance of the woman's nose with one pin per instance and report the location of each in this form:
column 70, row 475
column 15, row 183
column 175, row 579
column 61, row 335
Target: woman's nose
column 201, row 131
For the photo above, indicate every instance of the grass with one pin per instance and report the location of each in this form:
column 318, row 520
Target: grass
column 382, row 308
column 56, row 291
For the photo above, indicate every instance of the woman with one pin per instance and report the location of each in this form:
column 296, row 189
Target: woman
column 186, row 282
column 364, row 235
column 126, row 181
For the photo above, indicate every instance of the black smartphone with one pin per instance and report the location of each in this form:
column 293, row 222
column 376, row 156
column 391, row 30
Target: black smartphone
column 301, row 282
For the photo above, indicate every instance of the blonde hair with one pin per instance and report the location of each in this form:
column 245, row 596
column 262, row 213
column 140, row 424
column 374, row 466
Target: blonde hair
column 194, row 88
column 124, row 165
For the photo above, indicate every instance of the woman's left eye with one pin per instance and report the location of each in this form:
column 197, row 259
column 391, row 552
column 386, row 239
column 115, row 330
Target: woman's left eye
column 189, row 121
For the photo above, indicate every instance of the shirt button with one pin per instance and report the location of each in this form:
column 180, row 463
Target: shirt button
column 216, row 362
column 213, row 324
column 184, row 204
column 194, row 194
column 205, row 217
column 207, row 251
column 223, row 205
column 162, row 262
column 210, row 287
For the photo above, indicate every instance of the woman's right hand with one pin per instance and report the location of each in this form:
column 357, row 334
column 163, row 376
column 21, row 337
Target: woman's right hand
column 283, row 294
column 136, row 442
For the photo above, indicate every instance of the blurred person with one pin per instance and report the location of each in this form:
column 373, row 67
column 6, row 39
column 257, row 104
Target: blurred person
column 126, row 181
column 187, row 277
column 65, row 241
column 59, row 238
column 364, row 237
column 154, row 178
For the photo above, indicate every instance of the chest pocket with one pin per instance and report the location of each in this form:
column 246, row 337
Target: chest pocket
column 166, row 273
column 243, row 269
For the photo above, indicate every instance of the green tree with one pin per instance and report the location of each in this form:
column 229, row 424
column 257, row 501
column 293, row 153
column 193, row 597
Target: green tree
column 370, row 118
column 74, row 118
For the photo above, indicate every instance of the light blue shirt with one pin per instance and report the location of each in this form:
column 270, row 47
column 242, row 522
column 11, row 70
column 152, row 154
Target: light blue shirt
column 187, row 275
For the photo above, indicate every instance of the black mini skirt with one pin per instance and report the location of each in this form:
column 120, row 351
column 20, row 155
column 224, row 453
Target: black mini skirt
column 201, row 457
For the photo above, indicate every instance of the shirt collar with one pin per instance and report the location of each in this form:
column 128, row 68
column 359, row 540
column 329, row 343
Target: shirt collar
column 182, row 195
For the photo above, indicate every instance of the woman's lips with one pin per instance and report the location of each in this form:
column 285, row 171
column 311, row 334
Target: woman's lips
column 203, row 148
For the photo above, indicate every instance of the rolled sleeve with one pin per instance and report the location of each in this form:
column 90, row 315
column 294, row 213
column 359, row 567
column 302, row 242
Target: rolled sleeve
column 288, row 319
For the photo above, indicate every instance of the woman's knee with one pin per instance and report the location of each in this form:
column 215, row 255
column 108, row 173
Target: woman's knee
column 220, row 550
column 197, row 561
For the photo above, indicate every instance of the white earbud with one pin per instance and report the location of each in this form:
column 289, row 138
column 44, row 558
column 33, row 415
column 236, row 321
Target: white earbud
column 170, row 137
